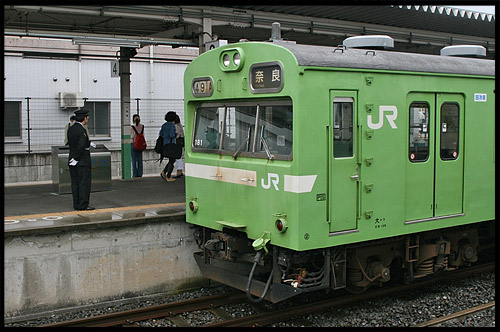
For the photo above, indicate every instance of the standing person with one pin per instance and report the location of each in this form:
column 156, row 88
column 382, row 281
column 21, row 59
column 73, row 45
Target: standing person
column 135, row 129
column 79, row 161
column 167, row 131
column 71, row 122
column 179, row 166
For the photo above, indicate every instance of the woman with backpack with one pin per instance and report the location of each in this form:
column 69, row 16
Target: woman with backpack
column 137, row 146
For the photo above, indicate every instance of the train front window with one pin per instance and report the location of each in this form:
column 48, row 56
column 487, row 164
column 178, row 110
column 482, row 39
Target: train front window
column 208, row 127
column 239, row 127
column 419, row 132
column 274, row 134
column 250, row 129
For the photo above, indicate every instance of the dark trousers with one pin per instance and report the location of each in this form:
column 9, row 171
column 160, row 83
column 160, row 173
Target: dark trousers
column 80, row 186
column 169, row 167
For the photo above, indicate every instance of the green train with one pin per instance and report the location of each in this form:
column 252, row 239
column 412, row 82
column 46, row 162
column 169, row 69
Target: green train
column 314, row 167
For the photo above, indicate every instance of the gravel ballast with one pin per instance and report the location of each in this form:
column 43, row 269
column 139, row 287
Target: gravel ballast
column 400, row 310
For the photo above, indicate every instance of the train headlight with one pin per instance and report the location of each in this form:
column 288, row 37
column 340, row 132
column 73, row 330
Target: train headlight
column 237, row 59
column 225, row 60
column 232, row 59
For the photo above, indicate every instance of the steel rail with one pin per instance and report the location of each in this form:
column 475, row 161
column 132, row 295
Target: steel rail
column 267, row 318
column 455, row 315
column 163, row 310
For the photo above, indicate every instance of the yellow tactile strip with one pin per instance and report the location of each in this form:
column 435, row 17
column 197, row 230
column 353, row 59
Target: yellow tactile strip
column 71, row 213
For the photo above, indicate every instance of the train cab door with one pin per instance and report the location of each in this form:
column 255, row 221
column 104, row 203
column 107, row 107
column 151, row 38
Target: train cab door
column 343, row 161
column 434, row 171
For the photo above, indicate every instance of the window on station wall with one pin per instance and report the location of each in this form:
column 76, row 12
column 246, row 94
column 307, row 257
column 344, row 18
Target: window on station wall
column 12, row 119
column 419, row 132
column 449, row 131
column 99, row 118
column 343, row 127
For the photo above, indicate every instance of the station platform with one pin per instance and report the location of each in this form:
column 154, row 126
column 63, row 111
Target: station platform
column 35, row 207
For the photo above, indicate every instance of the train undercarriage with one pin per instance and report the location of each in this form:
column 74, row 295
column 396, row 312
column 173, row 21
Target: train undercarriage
column 276, row 273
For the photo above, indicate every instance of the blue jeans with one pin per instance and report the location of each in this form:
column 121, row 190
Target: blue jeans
column 136, row 161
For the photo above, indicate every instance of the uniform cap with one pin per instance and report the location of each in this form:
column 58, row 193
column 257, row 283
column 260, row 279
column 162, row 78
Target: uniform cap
column 81, row 113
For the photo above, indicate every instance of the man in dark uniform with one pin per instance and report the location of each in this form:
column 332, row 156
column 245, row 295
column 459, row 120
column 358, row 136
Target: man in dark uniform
column 79, row 161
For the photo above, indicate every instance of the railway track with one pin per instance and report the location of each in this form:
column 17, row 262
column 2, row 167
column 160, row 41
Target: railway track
column 173, row 311
column 457, row 315
column 170, row 310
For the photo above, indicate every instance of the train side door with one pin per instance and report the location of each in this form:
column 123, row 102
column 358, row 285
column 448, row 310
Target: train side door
column 343, row 156
column 420, row 159
column 449, row 154
column 434, row 168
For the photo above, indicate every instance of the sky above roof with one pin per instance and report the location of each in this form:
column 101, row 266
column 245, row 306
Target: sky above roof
column 481, row 9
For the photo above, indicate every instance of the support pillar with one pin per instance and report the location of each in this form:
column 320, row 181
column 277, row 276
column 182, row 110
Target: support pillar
column 206, row 33
column 125, row 54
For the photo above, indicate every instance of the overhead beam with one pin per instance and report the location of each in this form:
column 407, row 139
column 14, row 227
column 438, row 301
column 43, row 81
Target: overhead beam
column 197, row 17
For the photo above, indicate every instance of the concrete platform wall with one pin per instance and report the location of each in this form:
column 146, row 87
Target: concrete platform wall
column 63, row 269
column 37, row 167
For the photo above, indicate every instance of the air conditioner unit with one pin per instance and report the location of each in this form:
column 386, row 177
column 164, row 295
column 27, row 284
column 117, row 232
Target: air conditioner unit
column 214, row 44
column 70, row 99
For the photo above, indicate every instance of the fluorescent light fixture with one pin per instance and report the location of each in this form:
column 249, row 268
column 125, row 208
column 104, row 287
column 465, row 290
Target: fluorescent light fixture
column 117, row 42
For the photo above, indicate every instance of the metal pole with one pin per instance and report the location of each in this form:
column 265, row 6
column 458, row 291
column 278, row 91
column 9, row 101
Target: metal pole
column 125, row 55
column 29, row 128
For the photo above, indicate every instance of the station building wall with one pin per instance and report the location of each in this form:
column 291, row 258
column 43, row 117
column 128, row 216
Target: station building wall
column 36, row 71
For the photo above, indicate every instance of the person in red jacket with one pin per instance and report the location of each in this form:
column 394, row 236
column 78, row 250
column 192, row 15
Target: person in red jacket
column 136, row 155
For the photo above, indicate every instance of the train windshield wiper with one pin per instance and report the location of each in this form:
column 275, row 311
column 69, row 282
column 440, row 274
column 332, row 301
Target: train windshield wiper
column 246, row 141
column 270, row 156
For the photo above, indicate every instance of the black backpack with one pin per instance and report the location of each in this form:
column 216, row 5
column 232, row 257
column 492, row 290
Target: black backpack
column 159, row 148
column 159, row 145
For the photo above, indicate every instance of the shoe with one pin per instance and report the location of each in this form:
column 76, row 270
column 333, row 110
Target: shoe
column 170, row 179
column 88, row 208
column 178, row 176
column 163, row 176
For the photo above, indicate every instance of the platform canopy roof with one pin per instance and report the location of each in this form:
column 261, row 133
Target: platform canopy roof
column 416, row 28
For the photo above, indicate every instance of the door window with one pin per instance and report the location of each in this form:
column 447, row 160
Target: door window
column 419, row 132
column 342, row 127
column 449, row 131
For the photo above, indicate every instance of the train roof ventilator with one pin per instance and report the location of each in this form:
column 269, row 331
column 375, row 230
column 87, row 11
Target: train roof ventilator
column 464, row 50
column 382, row 42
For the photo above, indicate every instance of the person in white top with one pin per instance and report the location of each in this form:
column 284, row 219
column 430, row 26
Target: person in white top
column 179, row 165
